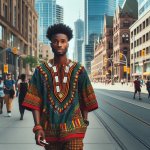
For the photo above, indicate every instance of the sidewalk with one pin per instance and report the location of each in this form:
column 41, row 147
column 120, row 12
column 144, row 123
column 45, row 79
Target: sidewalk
column 16, row 134
column 118, row 87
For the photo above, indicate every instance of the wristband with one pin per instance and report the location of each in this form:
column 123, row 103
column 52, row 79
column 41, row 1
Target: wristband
column 37, row 127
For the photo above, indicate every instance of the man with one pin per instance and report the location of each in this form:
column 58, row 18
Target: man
column 60, row 96
column 137, row 87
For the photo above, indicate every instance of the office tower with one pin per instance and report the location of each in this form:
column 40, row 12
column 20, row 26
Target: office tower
column 59, row 14
column 46, row 10
column 143, row 7
column 79, row 36
column 94, row 21
column 119, row 3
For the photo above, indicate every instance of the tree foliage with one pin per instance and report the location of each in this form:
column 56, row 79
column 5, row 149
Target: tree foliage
column 32, row 61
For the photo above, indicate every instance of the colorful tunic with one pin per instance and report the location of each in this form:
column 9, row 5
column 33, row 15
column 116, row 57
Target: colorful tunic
column 60, row 96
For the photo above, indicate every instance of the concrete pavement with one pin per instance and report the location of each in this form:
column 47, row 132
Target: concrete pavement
column 118, row 87
column 16, row 134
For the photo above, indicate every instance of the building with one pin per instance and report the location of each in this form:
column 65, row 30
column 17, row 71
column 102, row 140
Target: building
column 124, row 17
column 140, row 47
column 45, row 52
column 94, row 20
column 119, row 3
column 18, row 31
column 46, row 10
column 101, row 65
column 143, row 7
column 59, row 14
column 79, row 37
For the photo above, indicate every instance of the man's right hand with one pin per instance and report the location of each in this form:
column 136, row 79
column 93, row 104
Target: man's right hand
column 39, row 135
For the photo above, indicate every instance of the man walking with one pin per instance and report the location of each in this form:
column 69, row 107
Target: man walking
column 137, row 87
column 60, row 96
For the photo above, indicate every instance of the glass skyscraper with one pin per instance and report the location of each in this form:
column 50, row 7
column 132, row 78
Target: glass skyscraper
column 119, row 2
column 46, row 10
column 79, row 36
column 143, row 7
column 94, row 22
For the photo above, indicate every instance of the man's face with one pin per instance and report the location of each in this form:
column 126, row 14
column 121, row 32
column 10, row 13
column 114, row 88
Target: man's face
column 59, row 44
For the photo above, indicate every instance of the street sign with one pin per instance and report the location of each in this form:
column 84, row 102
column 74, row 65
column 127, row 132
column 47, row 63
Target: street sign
column 5, row 68
column 15, row 50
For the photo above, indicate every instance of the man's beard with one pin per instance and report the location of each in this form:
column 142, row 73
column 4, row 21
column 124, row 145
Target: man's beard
column 59, row 54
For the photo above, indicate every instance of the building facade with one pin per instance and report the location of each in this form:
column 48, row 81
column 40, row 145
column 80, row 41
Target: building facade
column 79, row 37
column 59, row 14
column 143, row 7
column 140, row 47
column 18, row 30
column 124, row 17
column 101, row 65
column 46, row 10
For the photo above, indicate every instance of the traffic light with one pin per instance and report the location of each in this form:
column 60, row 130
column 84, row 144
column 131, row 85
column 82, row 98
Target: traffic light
column 5, row 68
column 15, row 50
column 120, row 55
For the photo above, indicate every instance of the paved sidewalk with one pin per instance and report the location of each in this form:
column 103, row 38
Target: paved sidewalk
column 17, row 135
column 118, row 87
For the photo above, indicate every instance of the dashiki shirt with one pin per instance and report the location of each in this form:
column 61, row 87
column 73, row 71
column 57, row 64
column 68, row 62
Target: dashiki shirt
column 60, row 93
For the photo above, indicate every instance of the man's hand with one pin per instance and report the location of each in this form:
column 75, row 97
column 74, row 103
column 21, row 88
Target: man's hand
column 39, row 135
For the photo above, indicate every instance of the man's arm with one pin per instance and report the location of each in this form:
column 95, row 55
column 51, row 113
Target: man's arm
column 39, row 134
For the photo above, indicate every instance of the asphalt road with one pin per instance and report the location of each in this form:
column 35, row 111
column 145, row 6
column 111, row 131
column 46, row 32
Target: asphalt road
column 127, row 120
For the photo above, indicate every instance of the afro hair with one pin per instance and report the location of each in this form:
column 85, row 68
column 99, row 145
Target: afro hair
column 59, row 28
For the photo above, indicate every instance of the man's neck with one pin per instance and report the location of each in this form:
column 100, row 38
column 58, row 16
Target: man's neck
column 60, row 59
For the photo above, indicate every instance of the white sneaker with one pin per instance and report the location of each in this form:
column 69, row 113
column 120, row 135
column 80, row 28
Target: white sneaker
column 9, row 114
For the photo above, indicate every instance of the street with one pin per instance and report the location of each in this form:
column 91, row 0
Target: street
column 126, row 119
column 120, row 123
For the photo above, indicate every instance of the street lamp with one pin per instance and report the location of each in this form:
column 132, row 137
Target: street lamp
column 126, row 62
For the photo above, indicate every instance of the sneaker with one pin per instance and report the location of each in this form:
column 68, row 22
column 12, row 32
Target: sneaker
column 1, row 112
column 133, row 97
column 140, row 98
column 9, row 114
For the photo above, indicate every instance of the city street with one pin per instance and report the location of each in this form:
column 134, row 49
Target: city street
column 127, row 119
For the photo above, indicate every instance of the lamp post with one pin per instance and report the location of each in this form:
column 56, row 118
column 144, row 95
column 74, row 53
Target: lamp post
column 126, row 62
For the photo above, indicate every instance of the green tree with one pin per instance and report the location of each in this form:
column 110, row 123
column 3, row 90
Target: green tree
column 32, row 61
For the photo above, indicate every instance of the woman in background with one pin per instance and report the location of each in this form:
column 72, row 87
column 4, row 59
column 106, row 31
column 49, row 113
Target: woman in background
column 1, row 94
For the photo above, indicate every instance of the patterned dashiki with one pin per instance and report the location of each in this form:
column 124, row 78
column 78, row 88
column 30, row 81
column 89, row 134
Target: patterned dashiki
column 61, row 93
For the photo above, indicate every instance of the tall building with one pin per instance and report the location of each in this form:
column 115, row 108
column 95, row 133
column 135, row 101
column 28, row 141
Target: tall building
column 94, row 21
column 18, row 31
column 79, row 36
column 46, row 10
column 59, row 14
column 143, row 7
column 119, row 2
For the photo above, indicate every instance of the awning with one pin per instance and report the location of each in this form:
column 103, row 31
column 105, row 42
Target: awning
column 146, row 73
column 136, row 74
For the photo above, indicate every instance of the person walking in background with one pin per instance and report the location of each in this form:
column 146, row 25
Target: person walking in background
column 137, row 87
column 148, row 87
column 22, row 89
column 9, row 90
column 1, row 94
column 60, row 96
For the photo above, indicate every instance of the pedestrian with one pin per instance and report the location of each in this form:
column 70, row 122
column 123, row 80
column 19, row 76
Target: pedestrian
column 22, row 89
column 122, row 81
column 137, row 87
column 148, row 87
column 60, row 96
column 9, row 90
column 1, row 95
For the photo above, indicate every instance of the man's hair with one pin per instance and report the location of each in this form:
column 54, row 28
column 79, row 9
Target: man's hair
column 59, row 28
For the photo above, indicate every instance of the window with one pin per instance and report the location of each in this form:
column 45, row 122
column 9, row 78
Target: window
column 147, row 22
column 125, row 38
column 146, row 36
column 144, row 25
column 126, row 23
column 143, row 38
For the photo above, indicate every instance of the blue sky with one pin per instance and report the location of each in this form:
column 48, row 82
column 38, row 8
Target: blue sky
column 72, row 9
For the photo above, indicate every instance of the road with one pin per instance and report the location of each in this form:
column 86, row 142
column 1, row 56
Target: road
column 127, row 120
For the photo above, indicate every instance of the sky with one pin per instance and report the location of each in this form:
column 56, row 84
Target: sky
column 72, row 10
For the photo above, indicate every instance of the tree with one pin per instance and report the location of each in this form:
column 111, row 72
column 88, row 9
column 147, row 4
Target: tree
column 32, row 61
